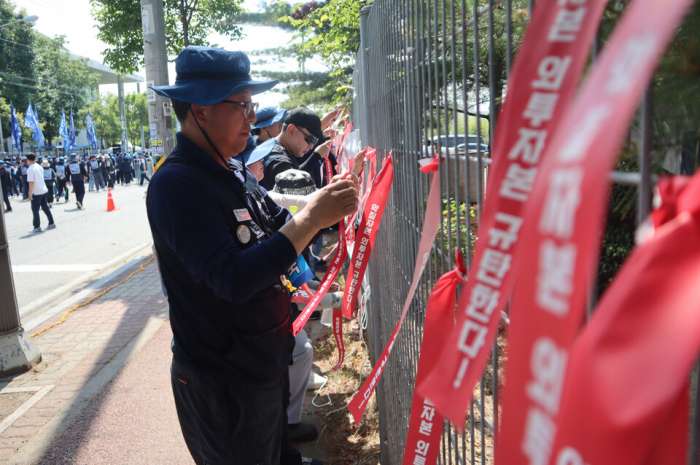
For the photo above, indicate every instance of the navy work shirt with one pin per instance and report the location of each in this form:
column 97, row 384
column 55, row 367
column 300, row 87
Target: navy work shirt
column 221, row 259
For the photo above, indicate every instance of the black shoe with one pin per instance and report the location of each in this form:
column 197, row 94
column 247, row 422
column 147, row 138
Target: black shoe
column 302, row 432
column 51, row 226
column 9, row 210
column 36, row 230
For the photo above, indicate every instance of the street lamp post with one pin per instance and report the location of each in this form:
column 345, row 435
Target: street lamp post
column 17, row 353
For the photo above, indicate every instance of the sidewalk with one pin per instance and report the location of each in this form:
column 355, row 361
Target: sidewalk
column 102, row 392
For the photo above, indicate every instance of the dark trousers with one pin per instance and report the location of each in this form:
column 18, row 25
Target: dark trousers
column 49, row 195
column 79, row 189
column 62, row 189
column 6, row 199
column 226, row 421
column 144, row 176
column 39, row 201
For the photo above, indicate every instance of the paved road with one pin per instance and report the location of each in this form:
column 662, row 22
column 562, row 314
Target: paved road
column 84, row 242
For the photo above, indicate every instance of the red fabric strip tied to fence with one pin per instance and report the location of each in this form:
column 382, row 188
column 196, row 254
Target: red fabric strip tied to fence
column 425, row 424
column 625, row 399
column 329, row 278
column 431, row 224
column 563, row 229
column 541, row 86
column 367, row 234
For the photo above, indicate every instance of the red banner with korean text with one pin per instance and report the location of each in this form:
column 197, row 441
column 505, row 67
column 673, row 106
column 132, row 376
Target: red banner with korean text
column 331, row 273
column 431, row 224
column 425, row 424
column 625, row 398
column 547, row 69
column 328, row 279
column 367, row 234
column 563, row 229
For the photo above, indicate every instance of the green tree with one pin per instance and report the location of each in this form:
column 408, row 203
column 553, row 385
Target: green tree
column 65, row 83
column 137, row 118
column 273, row 14
column 16, row 57
column 187, row 22
column 105, row 114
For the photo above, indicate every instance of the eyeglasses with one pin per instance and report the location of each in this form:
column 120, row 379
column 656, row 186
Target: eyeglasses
column 248, row 107
column 308, row 137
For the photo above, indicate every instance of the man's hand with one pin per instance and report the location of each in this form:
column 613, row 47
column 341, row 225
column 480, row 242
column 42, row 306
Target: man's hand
column 324, row 149
column 334, row 202
column 326, row 208
column 330, row 117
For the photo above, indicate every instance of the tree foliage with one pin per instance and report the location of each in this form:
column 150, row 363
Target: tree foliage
column 187, row 22
column 37, row 69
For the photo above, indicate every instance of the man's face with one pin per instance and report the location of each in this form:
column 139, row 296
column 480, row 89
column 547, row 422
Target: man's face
column 274, row 130
column 227, row 123
column 300, row 140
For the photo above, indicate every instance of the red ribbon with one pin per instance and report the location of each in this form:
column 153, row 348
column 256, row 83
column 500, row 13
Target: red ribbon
column 338, row 333
column 543, row 81
column 563, row 231
column 425, row 426
column 329, row 278
column 431, row 224
column 367, row 234
column 625, row 399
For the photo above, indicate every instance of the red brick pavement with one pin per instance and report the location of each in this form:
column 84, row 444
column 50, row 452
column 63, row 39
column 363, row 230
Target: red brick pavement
column 79, row 352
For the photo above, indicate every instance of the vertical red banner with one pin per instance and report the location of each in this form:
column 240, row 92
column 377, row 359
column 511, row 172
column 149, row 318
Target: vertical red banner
column 562, row 231
column 542, row 85
column 367, row 234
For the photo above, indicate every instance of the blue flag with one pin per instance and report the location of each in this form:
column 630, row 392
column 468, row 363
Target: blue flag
column 32, row 121
column 90, row 128
column 15, row 129
column 63, row 132
column 71, row 133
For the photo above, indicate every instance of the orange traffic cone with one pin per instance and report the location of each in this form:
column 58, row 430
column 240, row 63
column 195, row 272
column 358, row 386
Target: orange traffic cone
column 110, row 201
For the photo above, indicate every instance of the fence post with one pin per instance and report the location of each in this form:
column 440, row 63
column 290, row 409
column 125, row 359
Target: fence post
column 364, row 77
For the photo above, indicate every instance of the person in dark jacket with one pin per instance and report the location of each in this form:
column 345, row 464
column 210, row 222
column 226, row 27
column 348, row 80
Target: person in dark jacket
column 221, row 257
column 6, row 185
column 301, row 133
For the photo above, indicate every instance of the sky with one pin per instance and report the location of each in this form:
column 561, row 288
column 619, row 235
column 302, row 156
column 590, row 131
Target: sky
column 72, row 19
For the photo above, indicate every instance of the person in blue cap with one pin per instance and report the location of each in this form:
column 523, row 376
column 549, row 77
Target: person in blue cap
column 221, row 258
column 268, row 123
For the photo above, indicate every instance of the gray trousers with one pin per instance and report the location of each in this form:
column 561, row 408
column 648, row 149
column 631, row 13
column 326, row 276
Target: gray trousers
column 299, row 371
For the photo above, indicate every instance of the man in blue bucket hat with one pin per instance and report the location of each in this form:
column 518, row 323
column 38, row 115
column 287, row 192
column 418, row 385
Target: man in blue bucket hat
column 268, row 123
column 221, row 257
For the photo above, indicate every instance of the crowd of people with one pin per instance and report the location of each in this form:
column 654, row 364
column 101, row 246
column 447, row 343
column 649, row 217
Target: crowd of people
column 53, row 177
column 231, row 257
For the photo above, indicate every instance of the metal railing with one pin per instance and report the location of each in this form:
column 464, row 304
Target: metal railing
column 428, row 71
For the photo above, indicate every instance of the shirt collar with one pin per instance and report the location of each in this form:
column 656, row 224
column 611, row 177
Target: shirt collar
column 192, row 153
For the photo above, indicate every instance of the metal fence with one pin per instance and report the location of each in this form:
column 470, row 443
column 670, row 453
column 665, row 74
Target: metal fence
column 429, row 77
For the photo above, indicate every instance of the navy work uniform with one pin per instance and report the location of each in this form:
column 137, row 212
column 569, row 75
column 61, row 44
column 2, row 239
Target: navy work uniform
column 221, row 260
column 49, row 179
column 77, row 178
column 61, row 180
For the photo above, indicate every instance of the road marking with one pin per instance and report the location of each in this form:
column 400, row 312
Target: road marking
column 40, row 392
column 56, row 268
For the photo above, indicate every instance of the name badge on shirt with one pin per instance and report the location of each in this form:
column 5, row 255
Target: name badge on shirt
column 242, row 214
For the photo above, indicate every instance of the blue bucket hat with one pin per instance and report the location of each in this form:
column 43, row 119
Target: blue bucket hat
column 266, row 117
column 207, row 75
column 261, row 151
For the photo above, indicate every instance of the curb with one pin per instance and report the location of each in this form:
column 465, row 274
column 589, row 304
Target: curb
column 34, row 317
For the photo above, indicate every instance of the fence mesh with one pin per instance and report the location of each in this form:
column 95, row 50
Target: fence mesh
column 429, row 78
